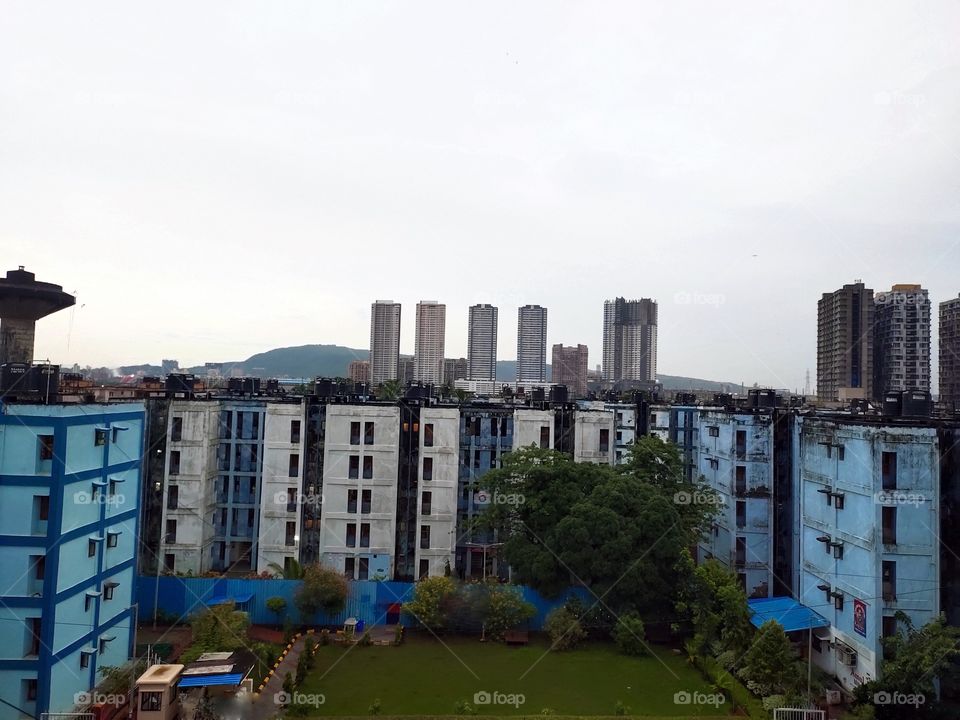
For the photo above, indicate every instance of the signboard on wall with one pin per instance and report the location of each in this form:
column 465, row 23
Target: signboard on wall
column 860, row 617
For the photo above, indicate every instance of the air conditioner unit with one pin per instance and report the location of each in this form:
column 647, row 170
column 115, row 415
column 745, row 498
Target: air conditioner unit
column 846, row 655
column 834, row 697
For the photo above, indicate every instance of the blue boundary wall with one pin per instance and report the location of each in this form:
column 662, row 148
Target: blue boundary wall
column 367, row 600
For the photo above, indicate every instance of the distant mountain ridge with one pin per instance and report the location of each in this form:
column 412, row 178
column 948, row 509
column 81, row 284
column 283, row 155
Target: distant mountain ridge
column 307, row 361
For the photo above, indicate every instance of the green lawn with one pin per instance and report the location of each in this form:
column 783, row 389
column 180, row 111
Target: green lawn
column 427, row 677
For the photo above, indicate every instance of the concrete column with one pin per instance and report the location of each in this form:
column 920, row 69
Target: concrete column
column 16, row 340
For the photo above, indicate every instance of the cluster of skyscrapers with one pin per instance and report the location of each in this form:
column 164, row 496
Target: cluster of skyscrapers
column 870, row 344
column 629, row 347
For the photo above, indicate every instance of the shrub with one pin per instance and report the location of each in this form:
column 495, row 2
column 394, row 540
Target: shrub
column 309, row 650
column 397, row 634
column 303, row 667
column 506, row 609
column 321, row 589
column 374, row 708
column 463, row 707
column 620, row 709
column 564, row 629
column 324, row 637
column 365, row 639
column 277, row 605
column 628, row 633
column 430, row 597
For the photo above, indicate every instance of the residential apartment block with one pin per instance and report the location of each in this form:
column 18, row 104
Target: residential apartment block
column 845, row 336
column 950, row 353
column 901, row 340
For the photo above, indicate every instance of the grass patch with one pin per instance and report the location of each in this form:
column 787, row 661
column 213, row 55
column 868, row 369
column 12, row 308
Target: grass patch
column 426, row 677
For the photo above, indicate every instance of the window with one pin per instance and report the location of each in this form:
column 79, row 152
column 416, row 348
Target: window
column 604, row 440
column 714, row 463
column 294, row 465
column 351, row 534
column 889, row 577
column 428, row 468
column 176, row 429
column 42, row 507
column 92, row 547
column 713, row 431
column 174, row 462
column 294, row 432
column 837, row 550
column 741, row 513
column 365, row 500
column 741, row 479
column 84, row 659
column 151, row 701
column 741, row 551
column 545, row 437
column 290, row 536
column 367, row 467
column 476, row 458
column 364, row 572
column 841, row 453
column 889, row 524
column 45, row 443
column 424, row 569
column 816, row 643
column 889, row 626
column 112, row 538
column 351, row 501
column 424, row 537
column 169, row 561
column 291, row 499
column 108, row 589
column 172, row 531
column 354, row 469
column 173, row 497
column 428, row 434
column 33, row 635
column 355, row 433
column 365, row 535
column 39, row 566
column 102, row 644
column 838, row 601
column 494, row 426
column 368, row 433
column 99, row 436
column 31, row 689
column 741, row 443
column 889, row 470
column 425, row 502
column 838, row 500
column 349, row 567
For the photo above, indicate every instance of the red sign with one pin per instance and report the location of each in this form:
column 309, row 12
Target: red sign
column 860, row 617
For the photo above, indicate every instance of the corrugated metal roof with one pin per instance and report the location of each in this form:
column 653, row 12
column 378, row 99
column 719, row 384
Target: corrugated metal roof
column 209, row 680
column 791, row 614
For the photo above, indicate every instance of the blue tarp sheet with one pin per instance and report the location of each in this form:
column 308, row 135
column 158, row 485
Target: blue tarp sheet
column 209, row 680
column 786, row 611
column 221, row 599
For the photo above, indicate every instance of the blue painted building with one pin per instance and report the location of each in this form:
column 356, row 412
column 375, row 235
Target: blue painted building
column 867, row 534
column 69, row 503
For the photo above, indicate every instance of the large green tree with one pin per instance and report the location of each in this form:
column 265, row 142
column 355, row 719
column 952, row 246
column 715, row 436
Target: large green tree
column 321, row 589
column 565, row 523
column 712, row 601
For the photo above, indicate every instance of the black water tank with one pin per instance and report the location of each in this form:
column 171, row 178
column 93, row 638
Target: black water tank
column 13, row 376
column 251, row 385
column 916, row 403
column 685, row 399
column 723, row 399
column 44, row 379
column 273, row 385
column 180, row 382
column 323, row 387
column 558, row 394
column 892, row 404
column 538, row 394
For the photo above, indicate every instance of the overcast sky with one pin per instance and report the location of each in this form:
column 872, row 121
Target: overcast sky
column 214, row 180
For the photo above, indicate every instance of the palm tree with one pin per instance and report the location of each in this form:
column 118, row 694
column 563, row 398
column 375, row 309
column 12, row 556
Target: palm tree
column 390, row 390
column 291, row 570
column 461, row 395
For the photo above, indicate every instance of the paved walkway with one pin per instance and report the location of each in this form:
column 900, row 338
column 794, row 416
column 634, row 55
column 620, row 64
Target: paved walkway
column 265, row 706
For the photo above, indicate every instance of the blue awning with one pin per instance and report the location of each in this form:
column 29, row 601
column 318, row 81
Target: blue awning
column 221, row 599
column 210, row 680
column 791, row 614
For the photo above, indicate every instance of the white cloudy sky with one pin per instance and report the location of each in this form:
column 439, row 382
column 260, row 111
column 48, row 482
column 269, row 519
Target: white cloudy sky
column 217, row 179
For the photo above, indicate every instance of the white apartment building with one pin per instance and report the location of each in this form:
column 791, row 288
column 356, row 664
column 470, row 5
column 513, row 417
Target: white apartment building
column 360, row 469
column 384, row 341
column 482, row 343
column 429, row 342
column 593, row 437
column 533, row 427
column 438, row 487
column 280, row 501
